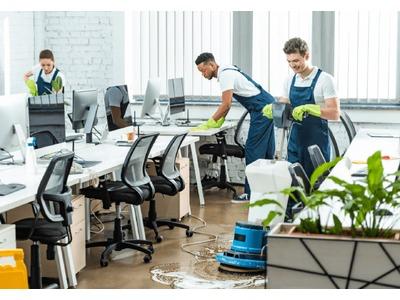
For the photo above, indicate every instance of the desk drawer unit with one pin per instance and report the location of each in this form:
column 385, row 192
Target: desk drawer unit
column 7, row 237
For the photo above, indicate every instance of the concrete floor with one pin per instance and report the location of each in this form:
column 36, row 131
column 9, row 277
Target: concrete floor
column 131, row 272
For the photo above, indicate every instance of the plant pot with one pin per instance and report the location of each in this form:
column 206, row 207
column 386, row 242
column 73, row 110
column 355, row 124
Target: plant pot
column 297, row 260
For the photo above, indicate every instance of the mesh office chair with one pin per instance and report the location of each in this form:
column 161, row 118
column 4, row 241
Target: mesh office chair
column 54, row 202
column 167, row 182
column 134, row 188
column 300, row 179
column 44, row 138
column 223, row 150
column 335, row 152
column 348, row 125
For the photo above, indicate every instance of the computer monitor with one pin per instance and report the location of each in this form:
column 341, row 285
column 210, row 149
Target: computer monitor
column 151, row 98
column 47, row 119
column 84, row 110
column 13, row 109
column 176, row 96
column 116, row 103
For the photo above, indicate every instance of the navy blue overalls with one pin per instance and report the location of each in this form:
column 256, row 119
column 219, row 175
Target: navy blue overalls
column 260, row 141
column 311, row 131
column 45, row 87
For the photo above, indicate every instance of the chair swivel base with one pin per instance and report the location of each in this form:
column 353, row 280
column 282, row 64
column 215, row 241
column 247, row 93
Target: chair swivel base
column 220, row 183
column 117, row 243
column 171, row 223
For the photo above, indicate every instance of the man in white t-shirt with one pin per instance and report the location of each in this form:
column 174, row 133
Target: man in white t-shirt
column 47, row 79
column 235, row 84
column 314, row 99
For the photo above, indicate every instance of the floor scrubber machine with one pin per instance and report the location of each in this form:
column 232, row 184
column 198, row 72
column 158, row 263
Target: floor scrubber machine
column 267, row 178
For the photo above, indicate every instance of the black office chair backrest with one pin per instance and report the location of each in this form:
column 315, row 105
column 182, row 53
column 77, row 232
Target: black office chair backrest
column 348, row 125
column 333, row 144
column 54, row 196
column 167, row 165
column 299, row 177
column 242, row 129
column 134, row 172
column 316, row 156
column 44, row 138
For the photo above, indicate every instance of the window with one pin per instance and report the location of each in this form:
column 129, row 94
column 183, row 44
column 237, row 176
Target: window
column 270, row 32
column 4, row 55
column 365, row 55
column 166, row 44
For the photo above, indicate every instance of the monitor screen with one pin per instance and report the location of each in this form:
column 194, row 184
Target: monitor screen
column 176, row 96
column 82, row 100
column 47, row 119
column 150, row 100
column 116, row 103
column 13, row 109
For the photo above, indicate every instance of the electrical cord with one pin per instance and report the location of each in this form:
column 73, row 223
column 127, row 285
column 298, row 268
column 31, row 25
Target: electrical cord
column 99, row 225
column 213, row 238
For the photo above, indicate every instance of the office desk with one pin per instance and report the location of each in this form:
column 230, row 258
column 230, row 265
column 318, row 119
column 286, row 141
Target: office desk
column 111, row 157
column 359, row 150
column 174, row 129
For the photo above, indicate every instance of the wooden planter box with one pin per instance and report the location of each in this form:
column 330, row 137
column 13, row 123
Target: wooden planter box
column 298, row 260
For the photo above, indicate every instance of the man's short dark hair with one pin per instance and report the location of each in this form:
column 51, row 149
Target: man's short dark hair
column 204, row 58
column 296, row 45
column 46, row 53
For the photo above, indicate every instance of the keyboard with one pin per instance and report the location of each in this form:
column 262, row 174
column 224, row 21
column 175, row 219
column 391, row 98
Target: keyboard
column 87, row 163
column 191, row 124
column 6, row 189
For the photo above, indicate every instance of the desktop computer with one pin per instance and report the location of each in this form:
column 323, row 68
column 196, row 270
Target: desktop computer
column 84, row 111
column 13, row 124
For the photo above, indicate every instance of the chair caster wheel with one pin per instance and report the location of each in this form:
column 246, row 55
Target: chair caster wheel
column 151, row 249
column 189, row 233
column 147, row 259
column 159, row 238
column 171, row 227
column 103, row 263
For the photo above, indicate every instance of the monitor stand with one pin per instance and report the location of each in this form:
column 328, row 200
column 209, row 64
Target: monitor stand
column 91, row 117
column 4, row 155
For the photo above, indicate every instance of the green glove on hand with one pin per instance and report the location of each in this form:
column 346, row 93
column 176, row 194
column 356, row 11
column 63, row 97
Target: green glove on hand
column 210, row 123
column 267, row 111
column 56, row 84
column 312, row 109
column 32, row 87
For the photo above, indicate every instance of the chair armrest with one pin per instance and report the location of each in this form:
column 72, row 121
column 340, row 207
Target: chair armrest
column 64, row 201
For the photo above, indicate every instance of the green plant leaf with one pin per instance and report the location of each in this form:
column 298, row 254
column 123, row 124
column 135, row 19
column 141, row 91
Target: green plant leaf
column 263, row 202
column 271, row 216
column 322, row 169
column 337, row 227
column 375, row 173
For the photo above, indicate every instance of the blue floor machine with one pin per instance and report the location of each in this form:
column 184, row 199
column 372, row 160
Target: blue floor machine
column 248, row 252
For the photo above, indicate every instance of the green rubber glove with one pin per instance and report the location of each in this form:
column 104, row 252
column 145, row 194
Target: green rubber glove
column 32, row 87
column 211, row 123
column 312, row 109
column 267, row 111
column 56, row 84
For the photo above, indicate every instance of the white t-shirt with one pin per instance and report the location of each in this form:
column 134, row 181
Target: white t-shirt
column 233, row 80
column 325, row 87
column 46, row 77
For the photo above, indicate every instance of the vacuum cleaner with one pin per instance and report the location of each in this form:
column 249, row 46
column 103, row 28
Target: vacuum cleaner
column 248, row 252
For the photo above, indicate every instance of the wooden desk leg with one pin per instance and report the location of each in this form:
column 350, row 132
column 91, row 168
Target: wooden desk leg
column 197, row 173
column 61, row 267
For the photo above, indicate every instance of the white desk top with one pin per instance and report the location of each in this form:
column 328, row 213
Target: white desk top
column 355, row 158
column 174, row 129
column 111, row 157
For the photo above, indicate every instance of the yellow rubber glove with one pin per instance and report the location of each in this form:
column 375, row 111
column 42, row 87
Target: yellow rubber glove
column 32, row 87
column 267, row 111
column 312, row 109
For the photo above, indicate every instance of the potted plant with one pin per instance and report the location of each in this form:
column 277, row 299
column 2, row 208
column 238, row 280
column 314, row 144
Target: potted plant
column 343, row 239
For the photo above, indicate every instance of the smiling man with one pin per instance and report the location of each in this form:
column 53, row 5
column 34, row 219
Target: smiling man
column 311, row 92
